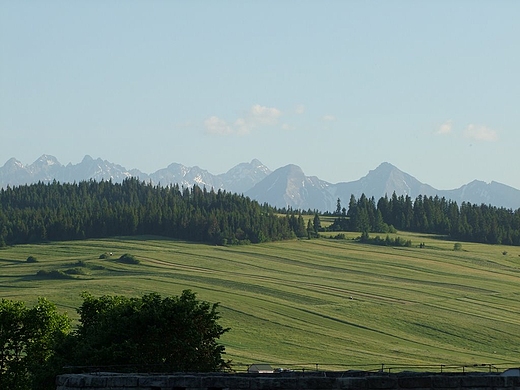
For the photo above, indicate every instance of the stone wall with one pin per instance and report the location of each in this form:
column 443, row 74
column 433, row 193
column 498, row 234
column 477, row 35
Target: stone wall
column 289, row 381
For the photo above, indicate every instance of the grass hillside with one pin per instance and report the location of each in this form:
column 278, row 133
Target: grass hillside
column 336, row 303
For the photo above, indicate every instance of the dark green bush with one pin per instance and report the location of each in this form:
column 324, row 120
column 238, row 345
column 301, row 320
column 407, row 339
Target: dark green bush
column 128, row 259
column 31, row 259
column 54, row 274
column 75, row 271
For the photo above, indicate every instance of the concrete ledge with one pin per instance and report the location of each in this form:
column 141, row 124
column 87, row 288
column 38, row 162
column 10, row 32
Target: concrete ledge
column 381, row 382
column 415, row 382
column 445, row 382
column 288, row 381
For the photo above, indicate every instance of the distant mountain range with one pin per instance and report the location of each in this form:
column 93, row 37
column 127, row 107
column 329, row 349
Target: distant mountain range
column 287, row 186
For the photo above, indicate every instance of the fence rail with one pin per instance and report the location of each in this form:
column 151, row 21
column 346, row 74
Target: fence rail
column 440, row 368
column 316, row 367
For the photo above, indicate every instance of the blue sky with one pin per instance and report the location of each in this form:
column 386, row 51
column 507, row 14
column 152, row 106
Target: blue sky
column 336, row 87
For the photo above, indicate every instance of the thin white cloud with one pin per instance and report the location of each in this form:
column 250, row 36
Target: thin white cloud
column 242, row 126
column 264, row 115
column 215, row 125
column 480, row 133
column 257, row 116
column 328, row 118
column 300, row 109
column 287, row 127
column 445, row 128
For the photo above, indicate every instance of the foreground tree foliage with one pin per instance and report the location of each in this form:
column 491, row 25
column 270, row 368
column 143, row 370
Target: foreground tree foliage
column 172, row 334
column 29, row 341
column 117, row 333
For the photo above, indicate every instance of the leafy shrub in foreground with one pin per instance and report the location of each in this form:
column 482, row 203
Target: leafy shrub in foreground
column 28, row 341
column 166, row 334
column 172, row 334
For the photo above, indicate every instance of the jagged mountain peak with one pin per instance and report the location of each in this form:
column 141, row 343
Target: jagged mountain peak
column 243, row 176
column 46, row 167
column 384, row 167
column 175, row 165
column 13, row 173
column 254, row 164
column 476, row 183
column 46, row 159
column 387, row 171
column 13, row 162
column 185, row 176
column 290, row 168
column 387, row 179
column 287, row 186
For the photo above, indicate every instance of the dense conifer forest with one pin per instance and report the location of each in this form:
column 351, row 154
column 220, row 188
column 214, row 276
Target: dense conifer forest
column 469, row 222
column 54, row 211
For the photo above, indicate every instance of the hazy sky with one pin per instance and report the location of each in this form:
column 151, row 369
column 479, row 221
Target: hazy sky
column 336, row 87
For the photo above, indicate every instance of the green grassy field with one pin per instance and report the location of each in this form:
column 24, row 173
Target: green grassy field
column 336, row 303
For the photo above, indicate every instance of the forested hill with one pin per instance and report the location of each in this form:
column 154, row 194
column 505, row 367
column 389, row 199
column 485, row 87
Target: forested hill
column 40, row 212
column 91, row 209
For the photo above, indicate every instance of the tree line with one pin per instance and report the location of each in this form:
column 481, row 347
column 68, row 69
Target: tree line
column 426, row 214
column 90, row 209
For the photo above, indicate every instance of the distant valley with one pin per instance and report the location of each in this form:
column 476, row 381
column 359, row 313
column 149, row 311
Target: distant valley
column 286, row 186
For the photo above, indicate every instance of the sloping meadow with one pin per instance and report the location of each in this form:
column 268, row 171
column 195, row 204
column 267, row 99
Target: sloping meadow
column 337, row 304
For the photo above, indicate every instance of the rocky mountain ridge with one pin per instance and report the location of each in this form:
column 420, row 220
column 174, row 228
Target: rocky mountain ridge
column 287, row 186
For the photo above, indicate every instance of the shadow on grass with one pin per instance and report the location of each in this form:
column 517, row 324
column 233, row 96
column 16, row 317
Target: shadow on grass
column 160, row 238
column 11, row 261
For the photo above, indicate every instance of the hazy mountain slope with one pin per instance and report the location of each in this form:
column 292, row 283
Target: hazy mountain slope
column 185, row 177
column 90, row 169
column 289, row 187
column 48, row 168
column 238, row 179
column 385, row 179
column 14, row 173
column 244, row 176
column 478, row 192
column 285, row 187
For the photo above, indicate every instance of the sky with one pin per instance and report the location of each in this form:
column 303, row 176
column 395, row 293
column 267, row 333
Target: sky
column 335, row 87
